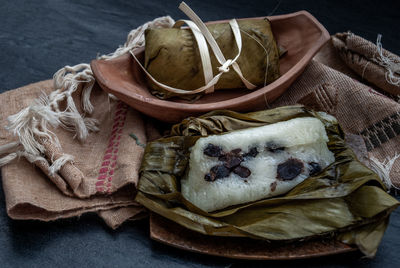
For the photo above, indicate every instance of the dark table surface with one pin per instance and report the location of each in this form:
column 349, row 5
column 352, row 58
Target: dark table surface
column 39, row 37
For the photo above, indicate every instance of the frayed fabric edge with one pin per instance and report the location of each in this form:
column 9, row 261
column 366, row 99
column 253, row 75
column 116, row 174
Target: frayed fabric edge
column 31, row 124
column 392, row 74
column 383, row 169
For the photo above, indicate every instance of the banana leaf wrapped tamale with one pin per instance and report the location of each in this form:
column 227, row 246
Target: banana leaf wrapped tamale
column 254, row 163
column 345, row 200
column 172, row 57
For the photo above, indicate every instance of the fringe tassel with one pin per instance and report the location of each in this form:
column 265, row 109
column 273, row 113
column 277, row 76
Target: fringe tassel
column 7, row 159
column 392, row 68
column 136, row 39
column 383, row 170
column 9, row 147
column 31, row 124
column 30, row 157
column 56, row 166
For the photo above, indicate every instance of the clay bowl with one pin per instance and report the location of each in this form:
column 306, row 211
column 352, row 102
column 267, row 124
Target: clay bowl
column 300, row 33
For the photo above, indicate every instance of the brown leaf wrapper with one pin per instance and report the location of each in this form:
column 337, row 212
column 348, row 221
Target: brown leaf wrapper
column 172, row 56
column 345, row 198
column 102, row 176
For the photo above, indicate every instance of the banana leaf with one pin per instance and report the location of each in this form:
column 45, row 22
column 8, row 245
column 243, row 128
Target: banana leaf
column 346, row 200
column 172, row 57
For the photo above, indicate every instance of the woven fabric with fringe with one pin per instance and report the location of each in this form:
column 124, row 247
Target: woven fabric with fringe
column 62, row 129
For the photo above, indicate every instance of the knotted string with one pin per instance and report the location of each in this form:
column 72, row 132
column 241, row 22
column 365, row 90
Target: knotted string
column 202, row 34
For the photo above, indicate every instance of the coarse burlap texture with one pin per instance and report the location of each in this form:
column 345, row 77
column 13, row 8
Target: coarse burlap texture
column 104, row 173
column 374, row 64
column 334, row 84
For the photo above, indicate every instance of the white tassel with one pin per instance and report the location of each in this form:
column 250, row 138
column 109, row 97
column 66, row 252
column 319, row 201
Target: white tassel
column 9, row 147
column 56, row 166
column 7, row 159
column 392, row 68
column 383, row 170
column 31, row 123
column 136, row 39
column 12, row 156
column 32, row 158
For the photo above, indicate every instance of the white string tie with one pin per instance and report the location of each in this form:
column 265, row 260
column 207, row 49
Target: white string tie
column 225, row 67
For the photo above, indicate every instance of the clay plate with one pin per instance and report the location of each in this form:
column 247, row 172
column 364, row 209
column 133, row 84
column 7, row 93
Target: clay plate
column 170, row 233
column 300, row 33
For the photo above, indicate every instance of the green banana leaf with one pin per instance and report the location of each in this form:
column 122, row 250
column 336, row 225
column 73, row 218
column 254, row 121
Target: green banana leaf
column 346, row 200
column 172, row 57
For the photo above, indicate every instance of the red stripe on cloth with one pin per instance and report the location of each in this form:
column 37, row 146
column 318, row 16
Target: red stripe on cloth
column 111, row 153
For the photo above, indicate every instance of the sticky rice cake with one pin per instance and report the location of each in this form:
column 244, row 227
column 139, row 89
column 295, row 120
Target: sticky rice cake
column 255, row 163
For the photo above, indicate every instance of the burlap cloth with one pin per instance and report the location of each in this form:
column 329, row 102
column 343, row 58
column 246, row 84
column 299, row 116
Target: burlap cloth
column 104, row 173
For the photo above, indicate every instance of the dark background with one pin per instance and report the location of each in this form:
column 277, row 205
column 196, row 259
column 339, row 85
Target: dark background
column 39, row 37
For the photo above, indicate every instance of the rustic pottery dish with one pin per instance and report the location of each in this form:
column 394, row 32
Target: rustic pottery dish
column 169, row 233
column 300, row 33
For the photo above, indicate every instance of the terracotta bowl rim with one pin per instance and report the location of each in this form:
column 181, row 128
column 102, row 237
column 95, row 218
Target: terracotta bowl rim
column 224, row 104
